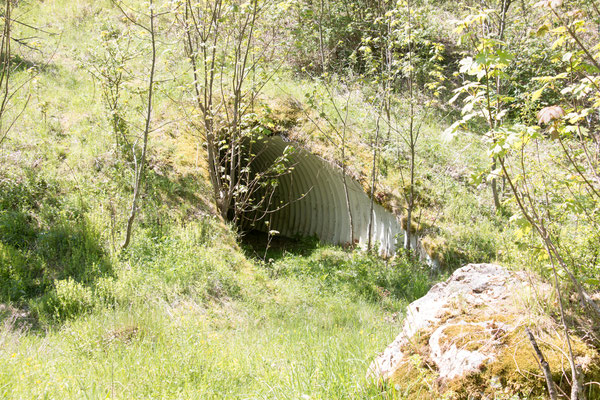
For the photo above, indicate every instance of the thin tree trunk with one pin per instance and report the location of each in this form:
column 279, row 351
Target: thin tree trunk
column 411, row 199
column 412, row 139
column 204, row 92
column 495, row 194
column 140, row 168
column 373, row 180
column 5, row 59
column 321, row 42
column 505, row 6
column 346, row 193
column 545, row 366
column 502, row 25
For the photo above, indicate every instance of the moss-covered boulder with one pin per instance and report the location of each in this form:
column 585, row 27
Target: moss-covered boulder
column 466, row 339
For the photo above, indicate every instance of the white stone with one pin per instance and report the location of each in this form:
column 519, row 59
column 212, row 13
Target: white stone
column 472, row 287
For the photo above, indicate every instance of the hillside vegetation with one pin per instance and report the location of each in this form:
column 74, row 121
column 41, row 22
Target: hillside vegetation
column 124, row 180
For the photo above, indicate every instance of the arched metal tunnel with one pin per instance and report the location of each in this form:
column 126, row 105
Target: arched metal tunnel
column 310, row 201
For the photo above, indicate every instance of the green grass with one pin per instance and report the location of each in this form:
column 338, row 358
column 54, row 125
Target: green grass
column 295, row 346
column 186, row 314
column 163, row 333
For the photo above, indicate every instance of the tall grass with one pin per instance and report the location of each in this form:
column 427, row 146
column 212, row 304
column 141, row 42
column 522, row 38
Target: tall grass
column 162, row 330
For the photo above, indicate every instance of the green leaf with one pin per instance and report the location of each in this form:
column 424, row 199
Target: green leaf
column 592, row 281
column 542, row 30
column 505, row 57
column 537, row 94
column 482, row 58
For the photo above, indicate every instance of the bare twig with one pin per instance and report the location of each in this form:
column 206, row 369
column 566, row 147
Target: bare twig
column 140, row 167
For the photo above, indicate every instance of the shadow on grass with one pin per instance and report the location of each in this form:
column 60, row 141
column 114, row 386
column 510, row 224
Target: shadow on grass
column 21, row 64
column 332, row 269
column 43, row 241
column 258, row 245
column 170, row 197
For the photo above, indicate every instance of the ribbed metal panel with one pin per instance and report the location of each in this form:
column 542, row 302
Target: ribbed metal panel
column 315, row 202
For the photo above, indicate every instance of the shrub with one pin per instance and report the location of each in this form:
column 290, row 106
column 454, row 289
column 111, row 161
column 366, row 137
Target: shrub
column 68, row 299
column 72, row 251
column 19, row 275
column 44, row 237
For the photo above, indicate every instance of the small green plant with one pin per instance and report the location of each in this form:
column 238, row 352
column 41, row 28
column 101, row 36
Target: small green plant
column 68, row 299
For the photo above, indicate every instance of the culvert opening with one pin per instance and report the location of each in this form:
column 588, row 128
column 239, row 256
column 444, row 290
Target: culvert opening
column 309, row 200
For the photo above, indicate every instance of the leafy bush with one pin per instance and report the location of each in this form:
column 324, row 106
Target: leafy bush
column 30, row 261
column 16, row 229
column 72, row 251
column 19, row 275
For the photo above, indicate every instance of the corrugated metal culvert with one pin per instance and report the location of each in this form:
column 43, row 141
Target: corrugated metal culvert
column 310, row 200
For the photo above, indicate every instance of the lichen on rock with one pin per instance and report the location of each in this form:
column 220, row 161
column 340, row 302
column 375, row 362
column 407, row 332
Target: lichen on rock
column 466, row 339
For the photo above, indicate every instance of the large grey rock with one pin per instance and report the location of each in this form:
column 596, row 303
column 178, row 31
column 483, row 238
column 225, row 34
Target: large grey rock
column 473, row 326
column 473, row 285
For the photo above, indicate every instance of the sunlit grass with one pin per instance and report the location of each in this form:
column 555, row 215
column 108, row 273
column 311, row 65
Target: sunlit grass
column 288, row 343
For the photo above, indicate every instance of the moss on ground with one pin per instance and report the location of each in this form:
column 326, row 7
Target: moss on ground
column 435, row 246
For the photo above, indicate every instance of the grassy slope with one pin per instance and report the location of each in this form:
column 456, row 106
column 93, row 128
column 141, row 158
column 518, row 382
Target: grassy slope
column 190, row 318
column 184, row 313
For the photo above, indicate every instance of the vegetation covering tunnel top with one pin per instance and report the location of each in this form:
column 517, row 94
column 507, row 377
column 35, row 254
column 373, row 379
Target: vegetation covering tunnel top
column 310, row 200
